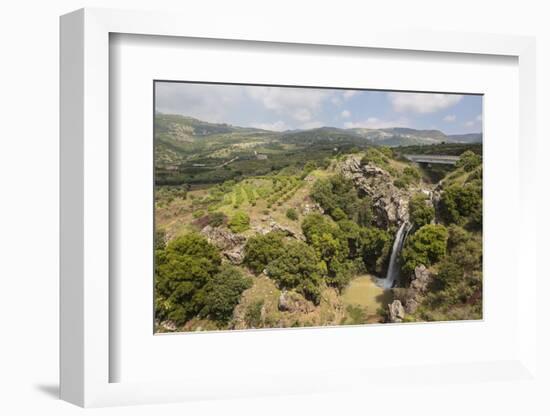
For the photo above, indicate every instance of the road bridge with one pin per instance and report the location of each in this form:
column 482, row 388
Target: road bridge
column 433, row 159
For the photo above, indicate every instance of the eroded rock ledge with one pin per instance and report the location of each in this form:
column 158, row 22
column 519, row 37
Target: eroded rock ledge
column 390, row 204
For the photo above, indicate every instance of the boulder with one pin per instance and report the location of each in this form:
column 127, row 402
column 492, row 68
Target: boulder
column 420, row 279
column 396, row 311
column 230, row 244
column 169, row 325
column 294, row 302
column 274, row 226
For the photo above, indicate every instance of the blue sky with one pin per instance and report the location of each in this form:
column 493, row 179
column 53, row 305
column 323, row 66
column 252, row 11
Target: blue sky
column 284, row 108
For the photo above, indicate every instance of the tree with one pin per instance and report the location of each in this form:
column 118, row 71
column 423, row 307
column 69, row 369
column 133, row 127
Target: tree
column 332, row 244
column 182, row 270
column 421, row 212
column 375, row 244
column 292, row 214
column 336, row 195
column 317, row 224
column 260, row 250
column 222, row 293
column 298, row 268
column 468, row 161
column 239, row 222
column 462, row 204
column 426, row 246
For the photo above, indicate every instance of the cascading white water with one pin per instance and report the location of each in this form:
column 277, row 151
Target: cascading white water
column 393, row 269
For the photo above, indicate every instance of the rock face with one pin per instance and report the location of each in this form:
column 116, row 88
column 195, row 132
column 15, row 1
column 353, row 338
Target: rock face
column 230, row 244
column 396, row 311
column 390, row 204
column 421, row 279
column 274, row 226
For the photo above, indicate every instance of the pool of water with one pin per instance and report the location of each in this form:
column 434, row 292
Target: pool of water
column 364, row 291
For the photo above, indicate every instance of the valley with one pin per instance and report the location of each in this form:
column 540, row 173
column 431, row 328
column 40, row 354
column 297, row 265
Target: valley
column 263, row 229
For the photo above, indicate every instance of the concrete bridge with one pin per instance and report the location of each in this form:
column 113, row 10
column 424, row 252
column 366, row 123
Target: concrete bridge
column 433, row 159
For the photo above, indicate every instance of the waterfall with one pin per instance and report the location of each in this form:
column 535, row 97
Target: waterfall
column 393, row 269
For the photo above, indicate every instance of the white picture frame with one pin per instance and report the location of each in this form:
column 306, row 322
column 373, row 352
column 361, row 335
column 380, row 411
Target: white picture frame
column 85, row 212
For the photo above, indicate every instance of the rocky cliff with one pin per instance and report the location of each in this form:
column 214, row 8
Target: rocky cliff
column 390, row 204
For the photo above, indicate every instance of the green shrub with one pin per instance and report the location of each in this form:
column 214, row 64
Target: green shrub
column 376, row 157
column 216, row 219
column 337, row 192
column 239, row 222
column 357, row 315
column 468, row 161
column 260, row 250
column 222, row 293
column 426, row 246
column 375, row 244
column 292, row 214
column 400, row 183
column 421, row 211
column 182, row 270
column 462, row 204
column 253, row 314
column 298, row 268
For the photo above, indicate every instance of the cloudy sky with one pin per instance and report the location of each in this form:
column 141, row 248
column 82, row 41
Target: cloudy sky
column 283, row 108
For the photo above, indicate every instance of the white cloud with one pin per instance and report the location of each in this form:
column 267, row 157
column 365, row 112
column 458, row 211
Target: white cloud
column 349, row 93
column 290, row 101
column 475, row 121
column 276, row 126
column 302, row 114
column 345, row 114
column 376, row 123
column 449, row 118
column 422, row 102
column 206, row 102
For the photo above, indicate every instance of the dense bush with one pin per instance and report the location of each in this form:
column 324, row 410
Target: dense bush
column 468, row 161
column 426, row 246
column 298, row 268
column 462, row 205
column 375, row 244
column 377, row 157
column 222, row 293
column 239, row 222
column 340, row 246
column 337, row 195
column 260, row 250
column 421, row 211
column 183, row 268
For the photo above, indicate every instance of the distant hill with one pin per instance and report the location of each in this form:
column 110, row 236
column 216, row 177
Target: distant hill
column 465, row 138
column 177, row 133
column 402, row 136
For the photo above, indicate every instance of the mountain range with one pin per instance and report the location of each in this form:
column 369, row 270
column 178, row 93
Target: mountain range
column 190, row 129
